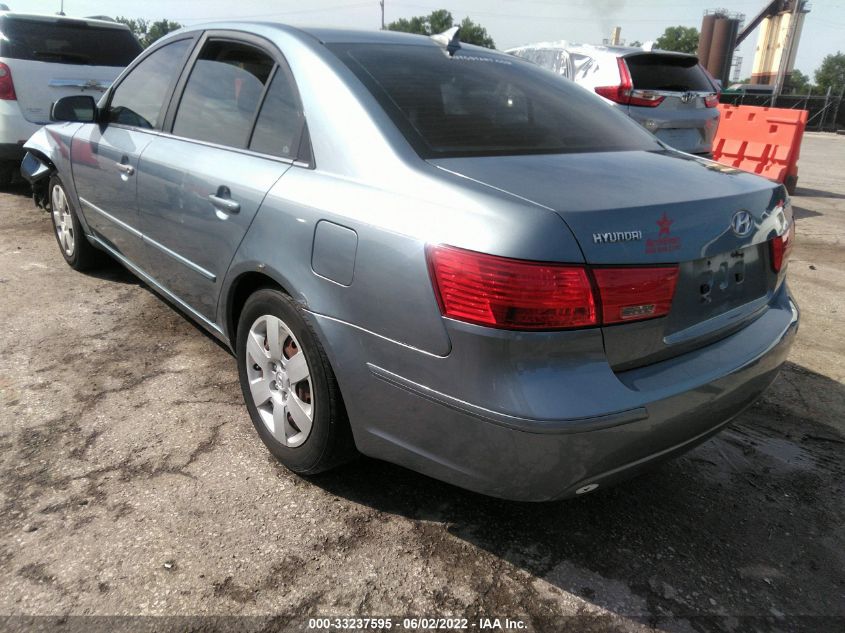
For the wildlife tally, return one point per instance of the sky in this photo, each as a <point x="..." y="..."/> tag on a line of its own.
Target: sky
<point x="509" y="22"/>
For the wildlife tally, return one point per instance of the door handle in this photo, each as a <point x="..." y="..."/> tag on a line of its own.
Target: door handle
<point x="222" y="200"/>
<point x="125" y="169"/>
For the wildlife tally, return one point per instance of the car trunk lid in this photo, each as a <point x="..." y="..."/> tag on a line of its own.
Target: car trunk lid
<point x="656" y="208"/>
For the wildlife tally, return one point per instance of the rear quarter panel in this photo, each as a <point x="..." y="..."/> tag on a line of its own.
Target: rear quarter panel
<point x="390" y="293"/>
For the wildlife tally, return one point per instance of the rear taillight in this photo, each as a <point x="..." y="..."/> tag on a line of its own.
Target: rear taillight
<point x="780" y="247"/>
<point x="632" y="294"/>
<point x="625" y="94"/>
<point x="7" y="88"/>
<point x="509" y="293"/>
<point x="711" y="101"/>
<point x="524" y="295"/>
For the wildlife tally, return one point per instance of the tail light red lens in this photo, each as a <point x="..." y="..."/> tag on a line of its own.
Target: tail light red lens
<point x="711" y="101"/>
<point x="524" y="295"/>
<point x="7" y="87"/>
<point x="632" y="294"/>
<point x="625" y="94"/>
<point x="780" y="247"/>
<point x="645" y="98"/>
<point x="508" y="293"/>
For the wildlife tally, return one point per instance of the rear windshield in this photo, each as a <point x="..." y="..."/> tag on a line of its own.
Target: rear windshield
<point x="481" y="104"/>
<point x="668" y="72"/>
<point x="66" y="42"/>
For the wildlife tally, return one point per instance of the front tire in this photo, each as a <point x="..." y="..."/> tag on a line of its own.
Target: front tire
<point x="289" y="387"/>
<point x="74" y="246"/>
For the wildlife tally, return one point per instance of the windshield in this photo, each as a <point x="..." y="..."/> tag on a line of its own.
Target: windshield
<point x="66" y="42"/>
<point x="481" y="104"/>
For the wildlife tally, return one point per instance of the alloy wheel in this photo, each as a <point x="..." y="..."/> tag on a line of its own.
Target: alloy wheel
<point x="279" y="380"/>
<point x="63" y="220"/>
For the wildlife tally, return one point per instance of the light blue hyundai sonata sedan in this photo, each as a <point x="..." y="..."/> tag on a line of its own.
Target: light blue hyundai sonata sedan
<point x="429" y="253"/>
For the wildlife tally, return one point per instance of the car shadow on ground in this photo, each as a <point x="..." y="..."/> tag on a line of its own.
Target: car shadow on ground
<point x="747" y="525"/>
<point x="818" y="193"/>
<point x="802" y="212"/>
<point x="18" y="188"/>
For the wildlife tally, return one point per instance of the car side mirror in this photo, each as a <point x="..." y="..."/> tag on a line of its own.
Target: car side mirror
<point x="76" y="108"/>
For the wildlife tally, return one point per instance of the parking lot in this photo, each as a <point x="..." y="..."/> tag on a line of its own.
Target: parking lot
<point x="133" y="483"/>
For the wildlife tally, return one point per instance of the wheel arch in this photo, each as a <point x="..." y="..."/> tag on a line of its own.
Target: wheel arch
<point x="243" y="285"/>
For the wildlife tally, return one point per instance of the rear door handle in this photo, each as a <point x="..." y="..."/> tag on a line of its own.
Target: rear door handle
<point x="125" y="169"/>
<point x="222" y="200"/>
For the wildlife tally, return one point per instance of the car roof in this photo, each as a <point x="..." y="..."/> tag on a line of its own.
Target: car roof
<point x="46" y="17"/>
<point x="324" y="35"/>
<point x="354" y="36"/>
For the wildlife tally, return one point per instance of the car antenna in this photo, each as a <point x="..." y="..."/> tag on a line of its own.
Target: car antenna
<point x="450" y="39"/>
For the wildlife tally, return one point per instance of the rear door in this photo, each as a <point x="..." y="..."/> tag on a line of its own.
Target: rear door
<point x="685" y="114"/>
<point x="52" y="57"/>
<point x="235" y="128"/>
<point x="105" y="154"/>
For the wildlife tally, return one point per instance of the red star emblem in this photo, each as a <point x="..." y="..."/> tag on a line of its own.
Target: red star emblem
<point x="664" y="223"/>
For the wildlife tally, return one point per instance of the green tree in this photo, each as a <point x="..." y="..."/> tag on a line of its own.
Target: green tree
<point x="636" y="43"/>
<point x="146" y="31"/>
<point x="831" y="74"/>
<point x="442" y="20"/>
<point x="159" y="29"/>
<point x="473" y="33"/>
<point x="798" y="83"/>
<point x="682" y="39"/>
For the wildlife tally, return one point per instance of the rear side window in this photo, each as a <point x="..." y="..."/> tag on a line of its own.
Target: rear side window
<point x="281" y="123"/>
<point x="138" y="99"/>
<point x="667" y="72"/>
<point x="66" y="42"/>
<point x="479" y="104"/>
<point x="223" y="93"/>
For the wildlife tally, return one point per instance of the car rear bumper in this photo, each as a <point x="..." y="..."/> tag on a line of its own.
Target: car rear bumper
<point x="668" y="408"/>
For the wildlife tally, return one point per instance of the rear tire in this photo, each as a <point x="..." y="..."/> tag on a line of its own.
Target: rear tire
<point x="73" y="244"/>
<point x="295" y="406"/>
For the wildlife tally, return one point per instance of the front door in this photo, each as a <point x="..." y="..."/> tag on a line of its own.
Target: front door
<point x="105" y="155"/>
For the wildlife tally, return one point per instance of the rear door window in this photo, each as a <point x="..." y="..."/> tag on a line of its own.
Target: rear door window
<point x="667" y="72"/>
<point x="280" y="127"/>
<point x="223" y="93"/>
<point x="138" y="99"/>
<point x="65" y="41"/>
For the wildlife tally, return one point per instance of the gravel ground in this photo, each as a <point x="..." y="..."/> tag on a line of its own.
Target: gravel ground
<point x="133" y="484"/>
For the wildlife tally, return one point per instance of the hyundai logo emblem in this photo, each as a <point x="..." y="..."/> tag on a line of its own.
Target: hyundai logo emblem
<point x="687" y="97"/>
<point x="742" y="223"/>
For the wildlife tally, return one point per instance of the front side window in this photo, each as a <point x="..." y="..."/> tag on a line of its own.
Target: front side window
<point x="139" y="99"/>
<point x="482" y="104"/>
<point x="223" y="92"/>
<point x="281" y="124"/>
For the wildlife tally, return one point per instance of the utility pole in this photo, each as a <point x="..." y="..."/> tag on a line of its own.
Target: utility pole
<point x="381" y="4"/>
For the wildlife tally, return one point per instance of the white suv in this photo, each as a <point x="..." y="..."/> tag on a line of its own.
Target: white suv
<point x="670" y="94"/>
<point x="44" y="57"/>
